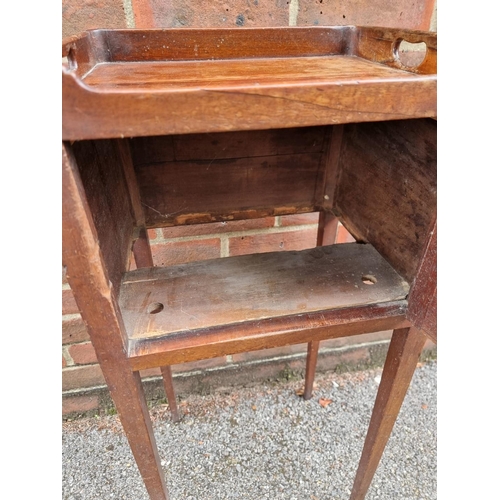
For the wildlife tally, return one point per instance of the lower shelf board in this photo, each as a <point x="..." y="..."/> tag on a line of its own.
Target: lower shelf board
<point x="222" y="306"/>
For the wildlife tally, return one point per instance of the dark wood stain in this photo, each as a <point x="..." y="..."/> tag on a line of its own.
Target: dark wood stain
<point x="176" y="126"/>
<point x="108" y="198"/>
<point x="387" y="189"/>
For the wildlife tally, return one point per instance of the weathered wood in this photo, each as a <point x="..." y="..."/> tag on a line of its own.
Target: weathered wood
<point x="188" y="81"/>
<point x="422" y="301"/>
<point x="107" y="194"/>
<point x="214" y="190"/>
<point x="192" y="44"/>
<point x="213" y="177"/>
<point x="257" y="301"/>
<point x="378" y="178"/>
<point x="228" y="145"/>
<point x="402" y="357"/>
<point x="238" y="73"/>
<point x="382" y="45"/>
<point x="96" y="298"/>
<point x="386" y="193"/>
<point x="255" y="287"/>
<point x="168" y="349"/>
<point x="140" y="246"/>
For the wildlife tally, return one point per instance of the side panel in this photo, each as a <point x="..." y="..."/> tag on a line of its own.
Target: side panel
<point x="103" y="179"/>
<point x="386" y="192"/>
<point x="198" y="178"/>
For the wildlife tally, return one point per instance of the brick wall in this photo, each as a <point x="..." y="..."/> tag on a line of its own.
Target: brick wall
<point x="82" y="381"/>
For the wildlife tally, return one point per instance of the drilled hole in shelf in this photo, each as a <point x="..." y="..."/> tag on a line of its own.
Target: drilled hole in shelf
<point x="368" y="279"/>
<point x="155" y="308"/>
<point x="409" y="54"/>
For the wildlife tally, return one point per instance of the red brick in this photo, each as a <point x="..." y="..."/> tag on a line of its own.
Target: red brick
<point x="64" y="364"/>
<point x="343" y="235"/>
<point x="395" y="13"/>
<point x="78" y="16"/>
<point x="219" y="13"/>
<point x="269" y="353"/>
<point x="82" y="376"/>
<point x="150" y="372"/>
<point x="217" y="227"/>
<point x="79" y="404"/>
<point x="171" y="253"/>
<point x="355" y="340"/>
<point x="68" y="303"/>
<point x="203" y="364"/>
<point x="352" y="358"/>
<point x="300" y="219"/>
<point x="272" y="242"/>
<point x="187" y="367"/>
<point x="152" y="234"/>
<point x="74" y="330"/>
<point x="83" y="354"/>
<point x="64" y="278"/>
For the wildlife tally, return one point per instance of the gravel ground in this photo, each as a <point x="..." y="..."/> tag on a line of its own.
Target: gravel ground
<point x="265" y="442"/>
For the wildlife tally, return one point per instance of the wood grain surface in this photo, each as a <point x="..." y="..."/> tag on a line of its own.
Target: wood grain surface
<point x="387" y="190"/>
<point x="225" y="176"/>
<point x="254" y="287"/>
<point x="139" y="83"/>
<point x="107" y="194"/>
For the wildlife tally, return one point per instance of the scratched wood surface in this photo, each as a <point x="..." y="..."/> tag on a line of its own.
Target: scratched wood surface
<point x="160" y="350"/>
<point x="108" y="197"/>
<point x="422" y="302"/>
<point x="378" y="178"/>
<point x="239" y="73"/>
<point x="225" y="176"/>
<point x="206" y="44"/>
<point x="255" y="287"/>
<point x="188" y="81"/>
<point x="387" y="188"/>
<point x="87" y="273"/>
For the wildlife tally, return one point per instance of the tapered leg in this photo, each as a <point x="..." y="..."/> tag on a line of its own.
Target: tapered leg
<point x="402" y="358"/>
<point x="134" y="415"/>
<point x="170" y="392"/>
<point x="312" y="357"/>
<point x="328" y="226"/>
<point x="144" y="258"/>
<point x="97" y="301"/>
<point x="327" y="235"/>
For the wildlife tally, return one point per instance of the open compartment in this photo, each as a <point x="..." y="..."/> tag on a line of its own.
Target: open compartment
<point x="173" y="127"/>
<point x="378" y="178"/>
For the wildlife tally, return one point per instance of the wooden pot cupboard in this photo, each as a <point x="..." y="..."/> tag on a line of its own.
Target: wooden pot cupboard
<point x="187" y="126"/>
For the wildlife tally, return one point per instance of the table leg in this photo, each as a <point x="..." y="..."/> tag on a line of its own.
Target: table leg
<point x="168" y="383"/>
<point x="96" y="299"/>
<point x="144" y="258"/>
<point x="327" y="234"/>
<point x="402" y="358"/>
<point x="312" y="357"/>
